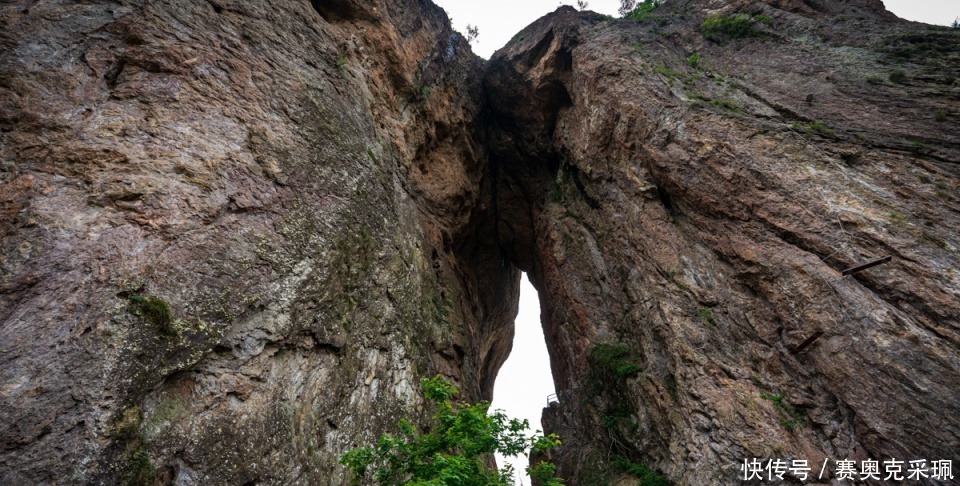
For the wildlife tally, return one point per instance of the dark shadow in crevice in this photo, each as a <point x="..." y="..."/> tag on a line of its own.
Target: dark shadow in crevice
<point x="336" y="10"/>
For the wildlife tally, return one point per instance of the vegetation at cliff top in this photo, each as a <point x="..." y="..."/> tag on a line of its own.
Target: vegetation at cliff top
<point x="643" y="10"/>
<point x="453" y="450"/>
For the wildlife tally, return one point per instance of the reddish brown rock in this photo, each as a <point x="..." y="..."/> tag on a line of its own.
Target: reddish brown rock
<point x="301" y="188"/>
<point x="235" y="235"/>
<point x="695" y="203"/>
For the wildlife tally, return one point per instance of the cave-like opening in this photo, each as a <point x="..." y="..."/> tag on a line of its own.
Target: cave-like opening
<point x="525" y="381"/>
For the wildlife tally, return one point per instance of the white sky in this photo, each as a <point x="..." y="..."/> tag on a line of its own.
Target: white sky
<point x="525" y="380"/>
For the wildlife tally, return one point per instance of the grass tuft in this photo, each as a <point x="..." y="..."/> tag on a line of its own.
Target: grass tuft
<point x="154" y="311"/>
<point x="706" y="315"/>
<point x="612" y="362"/>
<point x="719" y="28"/>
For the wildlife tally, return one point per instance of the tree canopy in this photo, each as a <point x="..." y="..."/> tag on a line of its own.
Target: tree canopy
<point x="454" y="451"/>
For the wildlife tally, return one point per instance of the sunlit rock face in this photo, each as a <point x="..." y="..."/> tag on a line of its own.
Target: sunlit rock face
<point x="236" y="235"/>
<point x="686" y="207"/>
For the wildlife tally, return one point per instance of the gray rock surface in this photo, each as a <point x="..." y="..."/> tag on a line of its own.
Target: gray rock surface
<point x="234" y="236"/>
<point x="303" y="190"/>
<point x="694" y="201"/>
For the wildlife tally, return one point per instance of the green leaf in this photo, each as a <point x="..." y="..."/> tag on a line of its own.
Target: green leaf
<point x="454" y="449"/>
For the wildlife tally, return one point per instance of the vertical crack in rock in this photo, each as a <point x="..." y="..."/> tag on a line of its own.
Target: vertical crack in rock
<point x="234" y="236"/>
<point x="685" y="220"/>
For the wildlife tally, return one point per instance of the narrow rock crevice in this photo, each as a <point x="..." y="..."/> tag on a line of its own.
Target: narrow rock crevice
<point x="710" y="247"/>
<point x="236" y="235"/>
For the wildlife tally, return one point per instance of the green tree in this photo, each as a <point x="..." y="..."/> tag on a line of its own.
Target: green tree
<point x="455" y="449"/>
<point x="639" y="11"/>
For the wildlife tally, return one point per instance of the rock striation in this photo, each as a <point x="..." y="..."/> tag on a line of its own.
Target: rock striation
<point x="234" y="236"/>
<point x="686" y="202"/>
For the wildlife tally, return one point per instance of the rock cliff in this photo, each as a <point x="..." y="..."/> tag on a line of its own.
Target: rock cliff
<point x="686" y="200"/>
<point x="235" y="235"/>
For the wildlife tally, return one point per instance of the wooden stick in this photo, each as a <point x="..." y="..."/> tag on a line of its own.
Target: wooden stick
<point x="807" y="342"/>
<point x="860" y="268"/>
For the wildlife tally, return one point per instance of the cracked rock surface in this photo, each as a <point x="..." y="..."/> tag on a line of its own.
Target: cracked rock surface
<point x="695" y="203"/>
<point x="300" y="186"/>
<point x="234" y="236"/>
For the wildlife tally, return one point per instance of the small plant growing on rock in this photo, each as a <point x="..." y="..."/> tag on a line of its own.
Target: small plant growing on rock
<point x="612" y="363"/>
<point x="645" y="475"/>
<point x="898" y="77"/>
<point x="138" y="470"/>
<point x="820" y="127"/>
<point x="796" y="417"/>
<point x="706" y="315"/>
<point x="721" y="27"/>
<point x="125" y="426"/>
<point x="421" y="93"/>
<point x="670" y="383"/>
<point x="665" y="71"/>
<point x="599" y="470"/>
<point x="726" y="104"/>
<point x="134" y="466"/>
<point x="472" y="33"/>
<point x="815" y="126"/>
<point x="693" y="60"/>
<point x="154" y="311"/>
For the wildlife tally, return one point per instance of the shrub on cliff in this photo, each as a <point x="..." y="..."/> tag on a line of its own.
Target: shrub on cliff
<point x="721" y="27"/>
<point x="610" y="365"/>
<point x="643" y="10"/>
<point x="453" y="451"/>
<point x="153" y="310"/>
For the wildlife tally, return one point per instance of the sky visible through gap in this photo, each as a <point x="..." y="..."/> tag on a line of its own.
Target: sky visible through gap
<point x="500" y="20"/>
<point x="525" y="379"/>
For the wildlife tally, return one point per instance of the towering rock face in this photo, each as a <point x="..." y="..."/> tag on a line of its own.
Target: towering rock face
<point x="686" y="206"/>
<point x="235" y="235"/>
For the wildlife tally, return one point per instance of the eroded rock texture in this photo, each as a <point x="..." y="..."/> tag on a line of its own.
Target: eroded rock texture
<point x="235" y="235"/>
<point x="695" y="202"/>
<point x="301" y="186"/>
